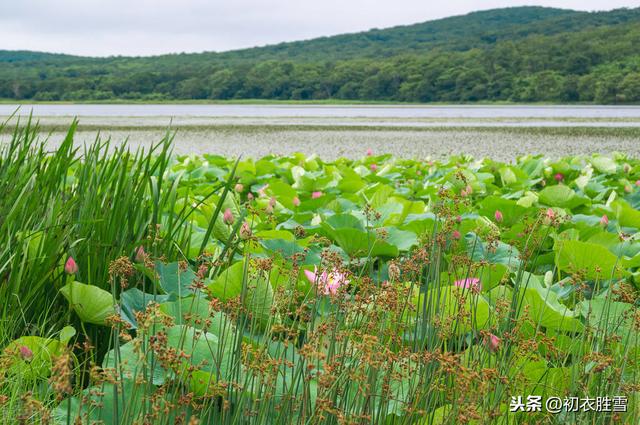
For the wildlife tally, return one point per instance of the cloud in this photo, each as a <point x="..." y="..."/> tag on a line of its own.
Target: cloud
<point x="145" y="27"/>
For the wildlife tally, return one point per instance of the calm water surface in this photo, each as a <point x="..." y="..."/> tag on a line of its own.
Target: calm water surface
<point x="329" y="111"/>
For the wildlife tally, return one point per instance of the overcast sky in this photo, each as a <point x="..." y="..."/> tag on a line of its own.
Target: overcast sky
<point x="147" y="27"/>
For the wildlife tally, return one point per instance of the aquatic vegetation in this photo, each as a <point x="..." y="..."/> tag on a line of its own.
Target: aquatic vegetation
<point x="288" y="289"/>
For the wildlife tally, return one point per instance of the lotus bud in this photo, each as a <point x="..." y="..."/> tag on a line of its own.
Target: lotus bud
<point x="25" y="353"/>
<point x="296" y="201"/>
<point x="559" y="177"/>
<point x="70" y="267"/>
<point x="456" y="234"/>
<point x="245" y="231"/>
<point x="239" y="188"/>
<point x="626" y="168"/>
<point x="140" y="255"/>
<point x="227" y="217"/>
<point x="604" y="221"/>
<point x="268" y="209"/>
<point x="627" y="188"/>
<point x="638" y="183"/>
<point x="459" y="219"/>
<point x="498" y="216"/>
<point x="373" y="167"/>
<point x="250" y="196"/>
<point x="369" y="152"/>
<point x="492" y="342"/>
<point x="272" y="202"/>
<point x="316" y="195"/>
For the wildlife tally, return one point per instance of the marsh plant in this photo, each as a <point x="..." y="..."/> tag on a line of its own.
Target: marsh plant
<point x="149" y="288"/>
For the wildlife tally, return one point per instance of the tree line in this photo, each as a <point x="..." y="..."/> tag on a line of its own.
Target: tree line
<point x="597" y="64"/>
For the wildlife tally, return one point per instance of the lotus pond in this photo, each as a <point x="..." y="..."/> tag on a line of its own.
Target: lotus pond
<point x="145" y="287"/>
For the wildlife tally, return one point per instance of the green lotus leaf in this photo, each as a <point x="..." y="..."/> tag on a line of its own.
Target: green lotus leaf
<point x="594" y="261"/>
<point x="604" y="164"/>
<point x="136" y="362"/>
<point x="134" y="300"/>
<point x="445" y="304"/>
<point x="404" y="240"/>
<point x="512" y="212"/>
<point x="611" y="317"/>
<point x="91" y="304"/>
<point x="259" y="293"/>
<point x="196" y="312"/>
<point x="498" y="253"/>
<point x="104" y="404"/>
<point x="174" y="280"/>
<point x="42" y="352"/>
<point x="626" y="214"/>
<point x="560" y="196"/>
<point x="544" y="309"/>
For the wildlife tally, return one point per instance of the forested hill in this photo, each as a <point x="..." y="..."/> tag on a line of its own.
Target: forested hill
<point x="523" y="54"/>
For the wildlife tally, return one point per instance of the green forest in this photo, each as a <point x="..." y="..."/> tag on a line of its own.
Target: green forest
<point x="523" y="54"/>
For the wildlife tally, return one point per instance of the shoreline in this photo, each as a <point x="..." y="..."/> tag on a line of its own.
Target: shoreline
<point x="329" y="102"/>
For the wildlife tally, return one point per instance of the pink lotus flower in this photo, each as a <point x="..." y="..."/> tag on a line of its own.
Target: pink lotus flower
<point x="373" y="167"/>
<point x="227" y="217"/>
<point x="604" y="220"/>
<point x="25" y="353"/>
<point x="470" y="283"/>
<point x="498" y="216"/>
<point x="328" y="283"/>
<point x="245" y="231"/>
<point x="261" y="191"/>
<point x="239" y="188"/>
<point x="140" y="254"/>
<point x="456" y="234"/>
<point x="369" y="152"/>
<point x="551" y="214"/>
<point x="492" y="342"/>
<point x="316" y="195"/>
<point x="70" y="267"/>
<point x="296" y="201"/>
<point x="559" y="177"/>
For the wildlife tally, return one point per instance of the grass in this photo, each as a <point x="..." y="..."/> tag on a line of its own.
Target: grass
<point x="147" y="287"/>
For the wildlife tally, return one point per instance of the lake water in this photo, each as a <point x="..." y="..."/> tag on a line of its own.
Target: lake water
<point x="333" y="131"/>
<point x="327" y="111"/>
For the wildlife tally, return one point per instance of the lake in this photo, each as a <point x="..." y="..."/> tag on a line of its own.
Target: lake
<point x="499" y="132"/>
<point x="327" y="111"/>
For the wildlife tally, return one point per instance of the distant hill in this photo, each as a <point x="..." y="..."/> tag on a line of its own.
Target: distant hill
<point x="521" y="54"/>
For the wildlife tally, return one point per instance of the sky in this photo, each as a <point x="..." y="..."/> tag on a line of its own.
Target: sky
<point x="150" y="27"/>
